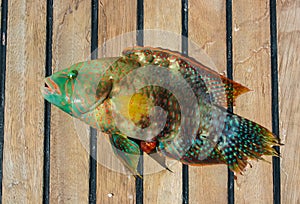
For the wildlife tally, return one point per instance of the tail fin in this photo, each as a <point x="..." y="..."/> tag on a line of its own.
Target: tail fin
<point x="243" y="140"/>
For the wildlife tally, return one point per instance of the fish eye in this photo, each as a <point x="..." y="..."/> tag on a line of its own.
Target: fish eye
<point x="72" y="74"/>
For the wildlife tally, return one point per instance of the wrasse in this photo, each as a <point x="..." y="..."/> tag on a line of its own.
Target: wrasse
<point x="164" y="104"/>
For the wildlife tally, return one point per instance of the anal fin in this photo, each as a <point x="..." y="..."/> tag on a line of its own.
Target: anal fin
<point x="161" y="160"/>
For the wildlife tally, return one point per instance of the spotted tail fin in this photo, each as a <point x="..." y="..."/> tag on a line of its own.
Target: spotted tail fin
<point x="243" y="140"/>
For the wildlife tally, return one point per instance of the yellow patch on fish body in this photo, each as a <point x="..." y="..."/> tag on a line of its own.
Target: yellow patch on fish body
<point x="136" y="107"/>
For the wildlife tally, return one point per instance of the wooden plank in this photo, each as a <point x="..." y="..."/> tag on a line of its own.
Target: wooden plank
<point x="158" y="17"/>
<point x="23" y="146"/>
<point x="117" y="25"/>
<point x="207" y="28"/>
<point x="69" y="159"/>
<point x="162" y="186"/>
<point x="251" y="58"/>
<point x="288" y="60"/>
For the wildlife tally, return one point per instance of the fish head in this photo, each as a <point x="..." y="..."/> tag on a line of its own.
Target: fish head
<point x="80" y="88"/>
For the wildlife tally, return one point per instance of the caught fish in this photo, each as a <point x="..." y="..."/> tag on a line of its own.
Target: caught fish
<point x="120" y="95"/>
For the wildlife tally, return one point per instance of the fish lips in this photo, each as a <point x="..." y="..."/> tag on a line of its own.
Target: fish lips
<point x="50" y="87"/>
<point x="50" y="90"/>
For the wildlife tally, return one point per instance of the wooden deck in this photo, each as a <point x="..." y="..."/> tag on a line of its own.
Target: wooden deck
<point x="23" y="154"/>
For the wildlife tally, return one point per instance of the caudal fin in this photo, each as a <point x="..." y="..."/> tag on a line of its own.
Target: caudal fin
<point x="243" y="140"/>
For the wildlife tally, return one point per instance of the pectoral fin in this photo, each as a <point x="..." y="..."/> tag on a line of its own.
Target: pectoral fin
<point x="127" y="151"/>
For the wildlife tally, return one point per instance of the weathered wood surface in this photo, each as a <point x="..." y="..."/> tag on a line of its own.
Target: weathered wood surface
<point x="23" y="147"/>
<point x="161" y="185"/>
<point x="251" y="58"/>
<point x="69" y="173"/>
<point x="116" y="32"/>
<point x="207" y="28"/>
<point x="288" y="60"/>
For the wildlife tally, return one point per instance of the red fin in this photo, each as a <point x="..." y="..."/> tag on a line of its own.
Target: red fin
<point x="233" y="90"/>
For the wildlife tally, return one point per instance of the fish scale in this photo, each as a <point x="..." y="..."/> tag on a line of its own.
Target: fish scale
<point x="201" y="133"/>
<point x="237" y="132"/>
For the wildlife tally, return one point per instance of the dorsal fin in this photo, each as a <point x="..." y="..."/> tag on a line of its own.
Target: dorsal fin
<point x="207" y="83"/>
<point x="233" y="88"/>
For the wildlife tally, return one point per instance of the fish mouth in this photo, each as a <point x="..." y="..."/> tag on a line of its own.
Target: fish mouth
<point x="50" y="87"/>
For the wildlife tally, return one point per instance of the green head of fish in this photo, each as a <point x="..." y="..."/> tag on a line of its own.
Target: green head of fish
<point x="80" y="88"/>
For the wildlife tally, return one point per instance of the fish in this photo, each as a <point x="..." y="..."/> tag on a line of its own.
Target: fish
<point x="163" y="103"/>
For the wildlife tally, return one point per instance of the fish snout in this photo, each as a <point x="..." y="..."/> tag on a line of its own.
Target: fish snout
<point x="50" y="87"/>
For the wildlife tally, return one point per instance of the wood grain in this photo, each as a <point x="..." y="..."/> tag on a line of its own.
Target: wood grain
<point x="23" y="146"/>
<point x="289" y="75"/>
<point x="251" y="58"/>
<point x="69" y="159"/>
<point x="164" y="17"/>
<point x="207" y="28"/>
<point x="24" y="108"/>
<point x="117" y="25"/>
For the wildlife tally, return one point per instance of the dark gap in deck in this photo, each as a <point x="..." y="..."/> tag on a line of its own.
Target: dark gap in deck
<point x="229" y="56"/>
<point x="93" y="132"/>
<point x="275" y="99"/>
<point x="184" y="50"/>
<point x="4" y="12"/>
<point x="139" y="182"/>
<point x="47" y="105"/>
<point x="140" y="23"/>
